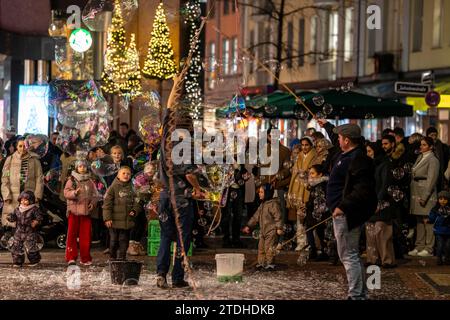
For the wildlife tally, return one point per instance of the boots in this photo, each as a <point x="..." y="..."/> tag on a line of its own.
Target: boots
<point x="133" y="249"/>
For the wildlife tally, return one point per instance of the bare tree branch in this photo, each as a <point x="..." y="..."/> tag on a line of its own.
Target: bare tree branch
<point x="267" y="12"/>
<point x="262" y="44"/>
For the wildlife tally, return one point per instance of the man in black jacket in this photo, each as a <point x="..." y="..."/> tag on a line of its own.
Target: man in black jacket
<point x="352" y="199"/>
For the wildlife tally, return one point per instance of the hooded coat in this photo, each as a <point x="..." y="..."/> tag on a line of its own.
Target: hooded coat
<point x="296" y="187"/>
<point x="11" y="184"/>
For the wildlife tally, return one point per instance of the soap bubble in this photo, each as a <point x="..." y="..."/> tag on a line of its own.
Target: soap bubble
<point x="398" y="173"/>
<point x="255" y="234"/>
<point x="345" y="88"/>
<point x="233" y="195"/>
<point x="140" y="161"/>
<point x="37" y="143"/>
<point x="195" y="232"/>
<point x="270" y="109"/>
<point x="318" y="100"/>
<point x="397" y="195"/>
<point x="97" y="15"/>
<point x="149" y="129"/>
<point x="369" y="116"/>
<point x="287" y="164"/>
<point x="104" y="166"/>
<point x="202" y="222"/>
<point x="141" y="182"/>
<point x="301" y="114"/>
<point x="163" y="217"/>
<point x="208" y="205"/>
<point x="408" y="167"/>
<point x="327" y="108"/>
<point x="320" y="115"/>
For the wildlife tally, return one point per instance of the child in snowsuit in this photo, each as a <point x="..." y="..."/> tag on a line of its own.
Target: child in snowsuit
<point x="82" y="197"/>
<point x="120" y="208"/>
<point x="440" y="216"/>
<point x="27" y="217"/>
<point x="268" y="216"/>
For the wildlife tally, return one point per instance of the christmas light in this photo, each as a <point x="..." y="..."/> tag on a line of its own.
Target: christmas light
<point x="192" y="13"/>
<point x="114" y="74"/>
<point x="132" y="86"/>
<point x="160" y="63"/>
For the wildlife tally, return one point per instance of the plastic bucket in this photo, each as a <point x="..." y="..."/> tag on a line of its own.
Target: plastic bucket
<point x="127" y="272"/>
<point x="230" y="267"/>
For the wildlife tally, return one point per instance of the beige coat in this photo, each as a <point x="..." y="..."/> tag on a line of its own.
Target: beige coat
<point x="304" y="162"/>
<point x="66" y="162"/>
<point x="11" y="182"/>
<point x="426" y="169"/>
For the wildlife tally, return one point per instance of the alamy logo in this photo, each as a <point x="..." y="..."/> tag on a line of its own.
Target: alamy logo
<point x="373" y="281"/>
<point x="374" y="18"/>
<point x="74" y="20"/>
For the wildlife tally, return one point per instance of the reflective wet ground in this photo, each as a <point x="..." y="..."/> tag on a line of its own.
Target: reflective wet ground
<point x="415" y="278"/>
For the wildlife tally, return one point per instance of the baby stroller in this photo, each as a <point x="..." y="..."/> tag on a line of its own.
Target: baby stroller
<point x="54" y="224"/>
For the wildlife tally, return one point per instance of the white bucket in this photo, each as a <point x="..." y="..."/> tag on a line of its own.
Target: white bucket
<point x="230" y="267"/>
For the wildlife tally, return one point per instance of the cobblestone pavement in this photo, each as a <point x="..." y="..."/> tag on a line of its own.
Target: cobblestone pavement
<point x="314" y="281"/>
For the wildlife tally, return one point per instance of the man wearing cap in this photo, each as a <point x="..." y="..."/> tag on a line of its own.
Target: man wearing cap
<point x="352" y="199"/>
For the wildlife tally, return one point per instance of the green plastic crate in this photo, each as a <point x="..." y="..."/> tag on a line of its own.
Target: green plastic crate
<point x="153" y="247"/>
<point x="154" y="230"/>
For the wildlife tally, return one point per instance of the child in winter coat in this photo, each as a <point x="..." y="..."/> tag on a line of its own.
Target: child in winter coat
<point x="27" y="217"/>
<point x="316" y="210"/>
<point x="440" y="216"/>
<point x="268" y="216"/>
<point x="120" y="208"/>
<point x="82" y="197"/>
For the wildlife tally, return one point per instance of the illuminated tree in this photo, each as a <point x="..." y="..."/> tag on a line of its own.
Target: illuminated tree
<point x="115" y="73"/>
<point x="132" y="87"/>
<point x="160" y="63"/>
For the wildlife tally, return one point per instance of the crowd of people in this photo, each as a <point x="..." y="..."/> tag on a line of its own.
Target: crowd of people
<point x="336" y="197"/>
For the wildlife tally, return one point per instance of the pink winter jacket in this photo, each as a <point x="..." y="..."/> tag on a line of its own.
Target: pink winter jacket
<point x="79" y="204"/>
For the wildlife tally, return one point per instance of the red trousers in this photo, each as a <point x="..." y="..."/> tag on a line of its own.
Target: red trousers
<point x="79" y="227"/>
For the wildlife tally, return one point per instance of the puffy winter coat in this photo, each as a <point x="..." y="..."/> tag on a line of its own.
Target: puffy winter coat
<point x="78" y="204"/>
<point x="268" y="216"/>
<point x="119" y="201"/>
<point x="441" y="222"/>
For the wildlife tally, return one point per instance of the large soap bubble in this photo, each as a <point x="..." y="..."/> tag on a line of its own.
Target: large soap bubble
<point x="104" y="166"/>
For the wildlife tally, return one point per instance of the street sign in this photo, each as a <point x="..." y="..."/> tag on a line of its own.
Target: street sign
<point x="411" y="88"/>
<point x="433" y="99"/>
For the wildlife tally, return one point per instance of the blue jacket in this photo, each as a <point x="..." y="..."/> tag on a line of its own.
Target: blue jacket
<point x="441" y="222"/>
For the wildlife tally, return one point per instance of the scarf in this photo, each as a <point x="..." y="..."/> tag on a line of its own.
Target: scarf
<point x="314" y="182"/>
<point x="23" y="209"/>
<point x="81" y="177"/>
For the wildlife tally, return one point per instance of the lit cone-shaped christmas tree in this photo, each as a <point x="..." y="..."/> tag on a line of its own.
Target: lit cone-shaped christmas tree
<point x="115" y="70"/>
<point x="132" y="86"/>
<point x="160" y="63"/>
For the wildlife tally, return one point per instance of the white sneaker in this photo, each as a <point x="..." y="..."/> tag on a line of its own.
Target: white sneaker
<point x="71" y="263"/>
<point x="86" y="264"/>
<point x="424" y="253"/>
<point x="410" y="234"/>
<point x="413" y="252"/>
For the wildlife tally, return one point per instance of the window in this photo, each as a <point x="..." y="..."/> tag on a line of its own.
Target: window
<point x="290" y="40"/>
<point x="234" y="55"/>
<point x="437" y="23"/>
<point x="233" y="6"/>
<point x="348" y="46"/>
<point x="226" y="56"/>
<point x="313" y="43"/>
<point x="333" y="35"/>
<point x="418" y="25"/>
<point x="226" y="7"/>
<point x="301" y="43"/>
<point x="212" y="64"/>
